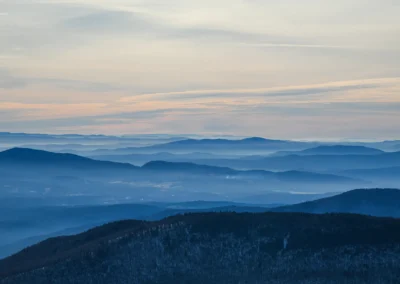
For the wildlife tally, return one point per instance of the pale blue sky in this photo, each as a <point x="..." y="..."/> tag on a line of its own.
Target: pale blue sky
<point x="287" y="68"/>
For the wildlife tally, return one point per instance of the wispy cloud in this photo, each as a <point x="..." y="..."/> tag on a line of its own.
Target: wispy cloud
<point x="169" y="112"/>
<point x="126" y="23"/>
<point x="268" y="92"/>
<point x="8" y="81"/>
<point x="11" y="81"/>
<point x="241" y="67"/>
<point x="109" y="21"/>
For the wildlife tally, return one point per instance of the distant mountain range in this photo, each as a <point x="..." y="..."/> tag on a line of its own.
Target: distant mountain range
<point x="218" y="248"/>
<point x="224" y="210"/>
<point x="391" y="174"/>
<point x="78" y="144"/>
<point x="251" y="146"/>
<point x="201" y="157"/>
<point x="141" y="159"/>
<point x="30" y="157"/>
<point x="334" y="150"/>
<point x="187" y="168"/>
<point x="375" y="202"/>
<point x="152" y="143"/>
<point x="246" y="141"/>
<point x="215" y="146"/>
<point x="73" y="180"/>
<point x="317" y="163"/>
<point x="20" y="157"/>
<point x="289" y="176"/>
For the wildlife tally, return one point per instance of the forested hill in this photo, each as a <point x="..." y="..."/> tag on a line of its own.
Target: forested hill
<point x="218" y="248"/>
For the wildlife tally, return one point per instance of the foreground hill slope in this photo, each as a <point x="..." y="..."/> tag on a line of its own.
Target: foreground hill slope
<point x="375" y="202"/>
<point x="218" y="248"/>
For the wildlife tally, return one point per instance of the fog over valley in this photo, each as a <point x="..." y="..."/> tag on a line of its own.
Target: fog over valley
<point x="49" y="190"/>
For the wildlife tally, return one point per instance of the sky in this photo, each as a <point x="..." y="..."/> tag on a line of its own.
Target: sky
<point x="310" y="69"/>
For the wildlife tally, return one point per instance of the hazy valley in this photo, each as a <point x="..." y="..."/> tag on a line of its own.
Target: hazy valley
<point x="66" y="185"/>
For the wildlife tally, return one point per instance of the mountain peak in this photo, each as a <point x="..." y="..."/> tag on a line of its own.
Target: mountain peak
<point x="260" y="140"/>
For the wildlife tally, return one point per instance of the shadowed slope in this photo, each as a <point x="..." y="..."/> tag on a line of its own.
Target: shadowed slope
<point x="376" y="202"/>
<point x="219" y="248"/>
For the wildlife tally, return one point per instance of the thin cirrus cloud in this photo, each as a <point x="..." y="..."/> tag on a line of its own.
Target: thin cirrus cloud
<point x="304" y="104"/>
<point x="256" y="67"/>
<point x="276" y="92"/>
<point x="9" y="81"/>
